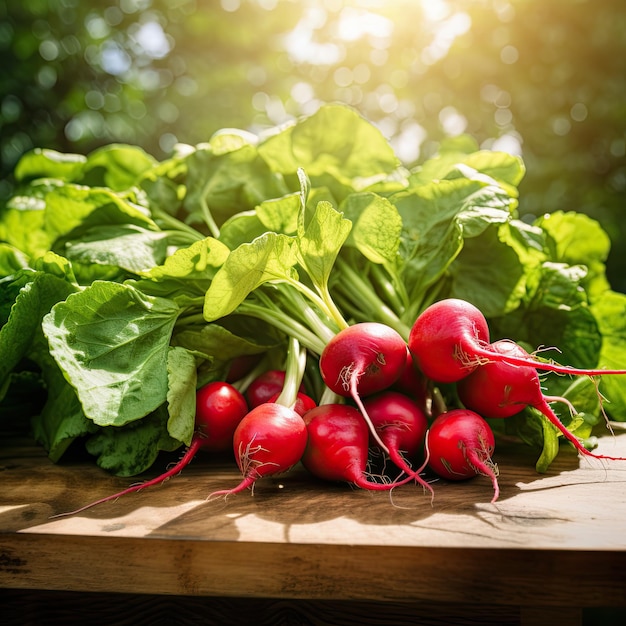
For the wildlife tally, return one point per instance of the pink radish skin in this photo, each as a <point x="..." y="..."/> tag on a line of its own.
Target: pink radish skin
<point x="402" y="426"/>
<point x="450" y="338"/>
<point x="219" y="409"/>
<point x="499" y="390"/>
<point x="363" y="359"/>
<point x="269" y="440"/>
<point x="338" y="446"/>
<point x="460" y="445"/>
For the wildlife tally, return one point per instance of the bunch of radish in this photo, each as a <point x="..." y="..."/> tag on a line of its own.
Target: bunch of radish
<point x="378" y="399"/>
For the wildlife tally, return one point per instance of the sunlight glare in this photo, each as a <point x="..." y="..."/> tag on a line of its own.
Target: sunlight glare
<point x="355" y="23"/>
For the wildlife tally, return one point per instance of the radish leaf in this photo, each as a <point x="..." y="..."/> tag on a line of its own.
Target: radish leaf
<point x="112" y="343"/>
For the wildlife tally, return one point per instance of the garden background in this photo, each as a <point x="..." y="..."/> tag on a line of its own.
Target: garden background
<point x="542" y="79"/>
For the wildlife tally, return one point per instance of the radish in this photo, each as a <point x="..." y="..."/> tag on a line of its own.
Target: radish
<point x="402" y="426"/>
<point x="450" y="338"/>
<point x="269" y="440"/>
<point x="303" y="402"/>
<point x="219" y="409"/>
<point x="460" y="444"/>
<point x="264" y="386"/>
<point x="499" y="390"/>
<point x="414" y="384"/>
<point x="240" y="366"/>
<point x="338" y="446"/>
<point x="363" y="359"/>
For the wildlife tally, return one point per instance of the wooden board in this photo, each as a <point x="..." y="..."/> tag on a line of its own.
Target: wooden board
<point x="551" y="540"/>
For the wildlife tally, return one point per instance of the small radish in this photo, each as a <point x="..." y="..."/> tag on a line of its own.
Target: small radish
<point x="363" y="359"/>
<point x="450" y="338"/>
<point x="219" y="409"/>
<point x="303" y="402"/>
<point x="499" y="390"/>
<point x="414" y="384"/>
<point x="402" y="426"/>
<point x="338" y="446"/>
<point x="264" y="386"/>
<point x="241" y="366"/>
<point x="460" y="444"/>
<point x="269" y="440"/>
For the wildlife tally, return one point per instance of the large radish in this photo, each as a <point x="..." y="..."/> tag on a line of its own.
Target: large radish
<point x="338" y="446"/>
<point x="269" y="440"/>
<point x="499" y="389"/>
<point x="450" y="338"/>
<point x="363" y="359"/>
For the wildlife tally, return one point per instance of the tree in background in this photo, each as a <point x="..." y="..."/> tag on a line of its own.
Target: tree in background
<point x="544" y="79"/>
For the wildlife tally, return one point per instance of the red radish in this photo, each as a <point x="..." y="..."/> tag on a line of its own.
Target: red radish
<point x="450" y="338"/>
<point x="240" y="366"/>
<point x="264" y="386"/>
<point x="219" y="409"/>
<point x="414" y="384"/>
<point x="362" y="359"/>
<point x="402" y="426"/>
<point x="460" y="445"/>
<point x="303" y="403"/>
<point x="269" y="440"/>
<point x="498" y="390"/>
<point x="338" y="446"/>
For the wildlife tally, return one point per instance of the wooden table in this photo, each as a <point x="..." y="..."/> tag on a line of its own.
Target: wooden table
<point x="318" y="553"/>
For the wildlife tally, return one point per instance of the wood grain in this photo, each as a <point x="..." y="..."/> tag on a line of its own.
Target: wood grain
<point x="300" y="539"/>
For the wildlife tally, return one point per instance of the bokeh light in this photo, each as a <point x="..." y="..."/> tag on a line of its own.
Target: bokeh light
<point x="540" y="79"/>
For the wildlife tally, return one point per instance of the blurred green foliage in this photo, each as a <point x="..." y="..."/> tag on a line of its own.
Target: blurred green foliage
<point x="544" y="79"/>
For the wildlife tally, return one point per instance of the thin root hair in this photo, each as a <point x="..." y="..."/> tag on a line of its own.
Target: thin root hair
<point x="469" y="361"/>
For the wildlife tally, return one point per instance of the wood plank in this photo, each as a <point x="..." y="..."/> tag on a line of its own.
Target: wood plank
<point x="298" y="538"/>
<point x="21" y="607"/>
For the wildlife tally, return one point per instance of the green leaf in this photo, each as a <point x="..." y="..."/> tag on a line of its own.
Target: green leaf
<point x="116" y="166"/>
<point x="38" y="292"/>
<point x="112" y="341"/>
<point x="229" y="182"/>
<point x="213" y="341"/>
<point x="62" y="419"/>
<point x="505" y="169"/>
<point x="437" y="219"/>
<point x="11" y="260"/>
<point x="335" y="140"/>
<point x="610" y="314"/>
<point x="22" y="220"/>
<point x="550" y="447"/>
<point x="46" y="163"/>
<point x="126" y="246"/>
<point x="187" y="273"/>
<point x="181" y="394"/>
<point x="199" y="261"/>
<point x="579" y="240"/>
<point x="74" y="209"/>
<point x="281" y="214"/>
<point x="241" y="228"/>
<point x="55" y="264"/>
<point x="270" y="257"/>
<point x="132" y="449"/>
<point x="489" y="273"/>
<point x="323" y="237"/>
<point x="376" y="226"/>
